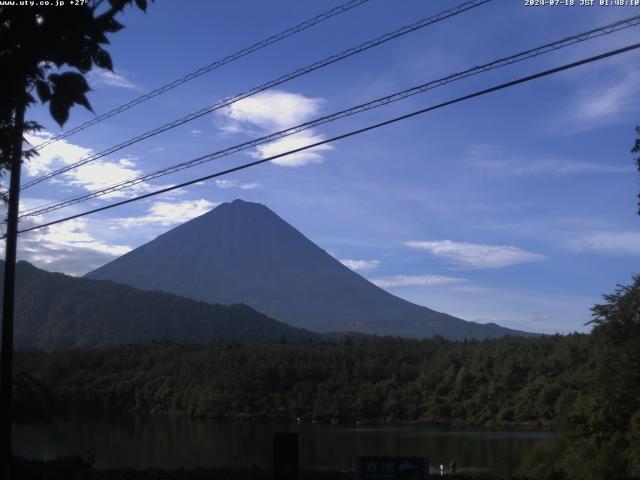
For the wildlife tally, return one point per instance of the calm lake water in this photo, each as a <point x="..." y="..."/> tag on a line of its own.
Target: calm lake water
<point x="177" y="442"/>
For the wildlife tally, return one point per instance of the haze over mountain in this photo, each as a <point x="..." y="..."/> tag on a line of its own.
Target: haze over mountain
<point x="242" y="252"/>
<point x="55" y="311"/>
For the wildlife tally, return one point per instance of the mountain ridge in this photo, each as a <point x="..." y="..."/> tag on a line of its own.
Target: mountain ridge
<point x="56" y="311"/>
<point x="244" y="252"/>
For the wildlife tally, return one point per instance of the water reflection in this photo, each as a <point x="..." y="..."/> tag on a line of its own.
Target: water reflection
<point x="179" y="442"/>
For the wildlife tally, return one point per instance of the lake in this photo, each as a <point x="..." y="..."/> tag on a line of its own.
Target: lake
<point x="181" y="442"/>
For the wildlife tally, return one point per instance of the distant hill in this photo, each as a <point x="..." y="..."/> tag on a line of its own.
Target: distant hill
<point x="244" y="252"/>
<point x="55" y="311"/>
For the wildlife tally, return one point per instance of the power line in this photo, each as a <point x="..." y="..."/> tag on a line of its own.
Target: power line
<point x="486" y="91"/>
<point x="278" y="81"/>
<point x="207" y="68"/>
<point x="518" y="57"/>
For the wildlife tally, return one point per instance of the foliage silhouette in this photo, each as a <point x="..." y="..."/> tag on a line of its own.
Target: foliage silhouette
<point x="36" y="43"/>
<point x="599" y="436"/>
<point x="39" y="41"/>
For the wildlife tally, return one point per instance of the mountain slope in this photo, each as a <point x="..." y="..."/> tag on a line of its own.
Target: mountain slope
<point x="244" y="252"/>
<point x="55" y="311"/>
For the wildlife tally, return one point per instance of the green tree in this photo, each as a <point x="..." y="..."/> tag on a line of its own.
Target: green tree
<point x="636" y="150"/>
<point x="599" y="435"/>
<point x="47" y="49"/>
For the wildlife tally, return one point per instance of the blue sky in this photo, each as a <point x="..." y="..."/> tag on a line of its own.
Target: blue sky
<point x="517" y="207"/>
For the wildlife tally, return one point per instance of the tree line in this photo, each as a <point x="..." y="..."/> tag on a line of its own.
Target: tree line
<point x="511" y="381"/>
<point x="584" y="386"/>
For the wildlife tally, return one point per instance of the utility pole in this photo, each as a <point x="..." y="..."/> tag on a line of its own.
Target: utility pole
<point x="6" y="356"/>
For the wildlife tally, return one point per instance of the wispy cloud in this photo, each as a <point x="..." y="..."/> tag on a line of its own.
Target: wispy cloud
<point x="94" y="175"/>
<point x="277" y="110"/>
<point x="360" y="265"/>
<point x="56" y="155"/>
<point x="474" y="255"/>
<point x="313" y="155"/>
<point x="226" y="184"/>
<point x="606" y="97"/>
<point x="100" y="174"/>
<point x="416" y="281"/>
<point x="101" y="77"/>
<point x="604" y="101"/>
<point x="472" y="289"/>
<point x="493" y="159"/>
<point x="613" y="243"/>
<point x="69" y="247"/>
<point x="169" y="213"/>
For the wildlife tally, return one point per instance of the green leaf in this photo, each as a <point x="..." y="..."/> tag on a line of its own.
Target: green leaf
<point x="59" y="111"/>
<point x="118" y="4"/>
<point x="69" y="88"/>
<point x="80" y="60"/>
<point x="102" y="59"/>
<point x="108" y="24"/>
<point x="69" y="82"/>
<point x="142" y="5"/>
<point x="101" y="38"/>
<point x="82" y="100"/>
<point x="44" y="92"/>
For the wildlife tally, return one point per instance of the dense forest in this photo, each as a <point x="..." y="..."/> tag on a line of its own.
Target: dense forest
<point x="599" y="436"/>
<point x="55" y="311"/>
<point x="509" y="381"/>
<point x="586" y="387"/>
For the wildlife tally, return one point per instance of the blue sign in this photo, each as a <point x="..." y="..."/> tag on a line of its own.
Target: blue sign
<point x="391" y="468"/>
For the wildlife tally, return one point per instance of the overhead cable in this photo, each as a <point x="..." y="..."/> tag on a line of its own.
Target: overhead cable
<point x="207" y="68"/>
<point x="352" y="133"/>
<point x="265" y="86"/>
<point x="379" y="102"/>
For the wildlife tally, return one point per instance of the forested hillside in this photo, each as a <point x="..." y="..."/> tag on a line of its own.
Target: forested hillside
<point x="55" y="311"/>
<point x="599" y="436"/>
<point x="508" y="381"/>
<point x="585" y="387"/>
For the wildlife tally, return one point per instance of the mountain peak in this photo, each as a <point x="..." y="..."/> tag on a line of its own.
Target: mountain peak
<point x="239" y="203"/>
<point x="239" y="207"/>
<point x="243" y="252"/>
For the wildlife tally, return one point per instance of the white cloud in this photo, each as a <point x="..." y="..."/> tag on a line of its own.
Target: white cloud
<point x="196" y="132"/>
<point x="100" y="174"/>
<point x="74" y="234"/>
<point x="473" y="255"/>
<point x="616" y="243"/>
<point x="293" y="142"/>
<point x="169" y="213"/>
<point x="235" y="184"/>
<point x="226" y="183"/>
<point x="69" y="247"/>
<point x="360" y="265"/>
<point x="101" y="77"/>
<point x="56" y="155"/>
<point x="416" y="281"/>
<point x="94" y="175"/>
<point x="276" y="110"/>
